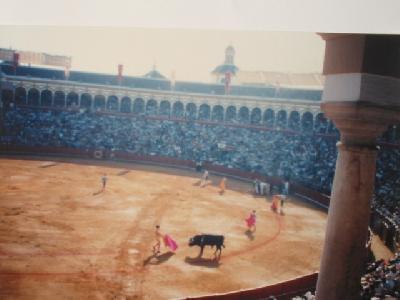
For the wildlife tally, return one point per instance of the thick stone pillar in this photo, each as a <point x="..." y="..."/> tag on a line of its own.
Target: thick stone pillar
<point x="362" y="101"/>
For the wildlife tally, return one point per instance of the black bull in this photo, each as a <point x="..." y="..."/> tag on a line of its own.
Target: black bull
<point x="202" y="240"/>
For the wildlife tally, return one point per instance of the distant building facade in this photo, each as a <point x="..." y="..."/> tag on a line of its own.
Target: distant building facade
<point x="263" y="78"/>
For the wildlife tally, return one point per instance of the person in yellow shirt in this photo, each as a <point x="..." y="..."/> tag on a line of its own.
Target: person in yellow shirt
<point x="159" y="237"/>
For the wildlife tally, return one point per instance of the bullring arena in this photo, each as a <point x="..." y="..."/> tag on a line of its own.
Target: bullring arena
<point x="61" y="237"/>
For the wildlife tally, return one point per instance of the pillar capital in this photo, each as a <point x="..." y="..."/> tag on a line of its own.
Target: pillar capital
<point x="360" y="123"/>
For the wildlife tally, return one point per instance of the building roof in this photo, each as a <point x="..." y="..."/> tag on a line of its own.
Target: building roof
<point x="154" y="74"/>
<point x="265" y="78"/>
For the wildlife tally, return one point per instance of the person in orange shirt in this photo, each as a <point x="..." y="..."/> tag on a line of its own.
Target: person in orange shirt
<point x="222" y="186"/>
<point x="275" y="203"/>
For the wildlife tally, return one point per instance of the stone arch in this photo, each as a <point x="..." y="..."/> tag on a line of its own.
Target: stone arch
<point x="86" y="101"/>
<point x="112" y="103"/>
<point x="178" y="110"/>
<point x="7" y="96"/>
<point x="321" y="123"/>
<point x="100" y="102"/>
<point x="281" y="119"/>
<point x="151" y="107"/>
<point x="191" y="111"/>
<point x="294" y="121"/>
<point x="20" y="96"/>
<point x="126" y="105"/>
<point x="217" y="113"/>
<point x="204" y="112"/>
<point x="307" y="121"/>
<point x="244" y="115"/>
<point x="269" y="118"/>
<point x="33" y="97"/>
<point x="59" y="99"/>
<point x="46" y="98"/>
<point x="138" y="106"/>
<point x="255" y="117"/>
<point x="230" y="115"/>
<point x="72" y="99"/>
<point x="165" y="108"/>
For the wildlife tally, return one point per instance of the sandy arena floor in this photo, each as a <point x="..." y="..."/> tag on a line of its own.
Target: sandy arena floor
<point x="61" y="238"/>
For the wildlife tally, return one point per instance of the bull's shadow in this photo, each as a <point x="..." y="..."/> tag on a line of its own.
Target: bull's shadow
<point x="155" y="259"/>
<point x="204" y="262"/>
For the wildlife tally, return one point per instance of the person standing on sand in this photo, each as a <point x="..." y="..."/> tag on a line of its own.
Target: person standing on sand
<point x="159" y="237"/>
<point x="251" y="221"/>
<point x="283" y="198"/>
<point x="204" y="178"/>
<point x="222" y="186"/>
<point x="104" y="182"/>
<point x="167" y="239"/>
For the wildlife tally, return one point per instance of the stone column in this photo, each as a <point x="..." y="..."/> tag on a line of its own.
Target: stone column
<point x="353" y="186"/>
<point x="362" y="103"/>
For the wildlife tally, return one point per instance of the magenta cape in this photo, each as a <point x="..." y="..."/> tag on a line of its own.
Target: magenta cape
<point x="170" y="243"/>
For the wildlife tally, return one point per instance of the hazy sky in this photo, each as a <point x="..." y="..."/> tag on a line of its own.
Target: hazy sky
<point x="191" y="54"/>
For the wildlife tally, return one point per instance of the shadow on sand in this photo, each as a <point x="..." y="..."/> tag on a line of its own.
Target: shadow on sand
<point x="204" y="262"/>
<point x="123" y="172"/>
<point x="155" y="259"/>
<point x="97" y="193"/>
<point x="48" y="165"/>
<point x="249" y="234"/>
<point x="197" y="183"/>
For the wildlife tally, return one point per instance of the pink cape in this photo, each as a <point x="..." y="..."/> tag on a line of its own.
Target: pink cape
<point x="251" y="221"/>
<point x="170" y="243"/>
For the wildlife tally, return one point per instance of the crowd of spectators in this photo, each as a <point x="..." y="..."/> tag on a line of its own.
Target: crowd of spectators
<point x="382" y="280"/>
<point x="306" y="159"/>
<point x="385" y="216"/>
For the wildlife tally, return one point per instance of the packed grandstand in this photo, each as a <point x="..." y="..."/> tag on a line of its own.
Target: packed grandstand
<point x="285" y="145"/>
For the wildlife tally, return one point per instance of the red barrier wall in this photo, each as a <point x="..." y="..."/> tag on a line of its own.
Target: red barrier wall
<point x="295" y="188"/>
<point x="17" y="149"/>
<point x="154" y="159"/>
<point x="282" y="291"/>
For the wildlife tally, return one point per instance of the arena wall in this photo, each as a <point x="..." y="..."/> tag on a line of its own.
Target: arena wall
<point x="282" y="291"/>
